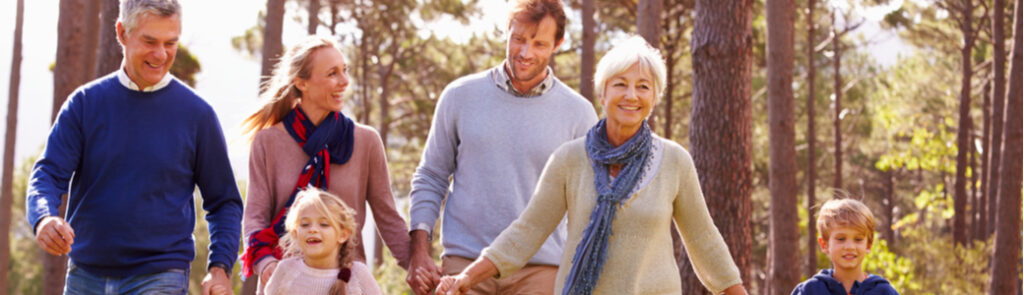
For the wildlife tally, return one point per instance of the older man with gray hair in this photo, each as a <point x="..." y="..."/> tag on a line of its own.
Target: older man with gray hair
<point x="135" y="144"/>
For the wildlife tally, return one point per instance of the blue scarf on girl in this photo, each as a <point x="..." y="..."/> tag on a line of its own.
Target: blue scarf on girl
<point x="592" y="251"/>
<point x="331" y="142"/>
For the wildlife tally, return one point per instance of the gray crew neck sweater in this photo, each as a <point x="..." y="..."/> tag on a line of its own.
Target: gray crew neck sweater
<point x="493" y="146"/>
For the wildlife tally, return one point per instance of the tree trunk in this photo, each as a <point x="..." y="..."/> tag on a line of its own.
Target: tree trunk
<point x="887" y="208"/>
<point x="92" y="41"/>
<point x="314" y="17"/>
<point x="721" y="48"/>
<point x="587" y="56"/>
<point x="837" y="85"/>
<point x="975" y="198"/>
<point x="272" y="37"/>
<point x="981" y="231"/>
<point x="998" y="102"/>
<point x="6" y="190"/>
<point x="648" y="21"/>
<point x="784" y="235"/>
<point x="960" y="182"/>
<point x="812" y="174"/>
<point x="108" y="55"/>
<point x="1006" y="256"/>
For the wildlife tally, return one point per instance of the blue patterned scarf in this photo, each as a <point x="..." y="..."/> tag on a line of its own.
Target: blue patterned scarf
<point x="592" y="251"/>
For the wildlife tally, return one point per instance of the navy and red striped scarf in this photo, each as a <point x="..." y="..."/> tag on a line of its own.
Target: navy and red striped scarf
<point x="331" y="142"/>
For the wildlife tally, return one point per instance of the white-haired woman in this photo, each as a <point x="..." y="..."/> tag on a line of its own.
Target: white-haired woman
<point x="620" y="187"/>
<point x="301" y="138"/>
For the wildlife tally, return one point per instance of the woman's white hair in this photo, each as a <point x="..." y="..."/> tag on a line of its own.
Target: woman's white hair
<point x="631" y="51"/>
<point x="131" y="10"/>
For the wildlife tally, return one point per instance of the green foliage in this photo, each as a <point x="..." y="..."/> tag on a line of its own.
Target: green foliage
<point x="185" y="66"/>
<point x="898" y="270"/>
<point x="25" y="273"/>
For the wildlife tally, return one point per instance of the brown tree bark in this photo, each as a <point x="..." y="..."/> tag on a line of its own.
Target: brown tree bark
<point x="92" y="42"/>
<point x="720" y="130"/>
<point x="6" y="190"/>
<point x="998" y="102"/>
<point x="314" y="16"/>
<point x="272" y="37"/>
<point x="960" y="182"/>
<point x="837" y="85"/>
<point x="109" y="54"/>
<point x="811" y="265"/>
<point x="1006" y="255"/>
<point x="587" y="57"/>
<point x="981" y="230"/>
<point x="887" y="208"/>
<point x="648" y="21"/>
<point x="783" y="233"/>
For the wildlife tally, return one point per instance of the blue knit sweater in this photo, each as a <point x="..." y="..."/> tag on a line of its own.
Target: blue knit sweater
<point x="823" y="284"/>
<point x="133" y="160"/>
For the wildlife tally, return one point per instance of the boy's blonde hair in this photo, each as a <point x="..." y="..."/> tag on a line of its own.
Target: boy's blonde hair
<point x="846" y="212"/>
<point x="339" y="216"/>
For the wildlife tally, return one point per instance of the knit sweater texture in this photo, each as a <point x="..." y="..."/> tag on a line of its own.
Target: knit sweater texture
<point x="640" y="255"/>
<point x="275" y="162"/>
<point x="293" y="276"/>
<point x="493" y="146"/>
<point x="824" y="284"/>
<point x="133" y="160"/>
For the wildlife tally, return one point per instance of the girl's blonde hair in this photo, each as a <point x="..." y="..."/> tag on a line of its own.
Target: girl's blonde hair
<point x="279" y="94"/>
<point x="340" y="217"/>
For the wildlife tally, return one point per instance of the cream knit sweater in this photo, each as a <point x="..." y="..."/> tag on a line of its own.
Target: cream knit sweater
<point x="640" y="255"/>
<point x="293" y="276"/>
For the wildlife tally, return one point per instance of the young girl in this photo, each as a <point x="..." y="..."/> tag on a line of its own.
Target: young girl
<point x="319" y="250"/>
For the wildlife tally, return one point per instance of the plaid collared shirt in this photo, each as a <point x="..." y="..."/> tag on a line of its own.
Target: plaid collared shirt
<point x="504" y="81"/>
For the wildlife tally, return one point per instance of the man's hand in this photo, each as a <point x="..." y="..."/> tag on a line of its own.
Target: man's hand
<point x="216" y="282"/>
<point x="267" y="272"/>
<point x="423" y="274"/>
<point x="55" y="235"/>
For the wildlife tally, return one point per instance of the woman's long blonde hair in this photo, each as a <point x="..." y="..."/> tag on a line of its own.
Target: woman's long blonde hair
<point x="279" y="94"/>
<point x="339" y="216"/>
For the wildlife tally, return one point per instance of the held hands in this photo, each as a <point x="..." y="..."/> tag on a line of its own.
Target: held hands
<point x="424" y="274"/>
<point x="267" y="272"/>
<point x="55" y="235"/>
<point x="454" y="285"/>
<point x="216" y="282"/>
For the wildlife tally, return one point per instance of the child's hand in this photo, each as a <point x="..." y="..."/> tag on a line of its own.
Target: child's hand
<point x="454" y="285"/>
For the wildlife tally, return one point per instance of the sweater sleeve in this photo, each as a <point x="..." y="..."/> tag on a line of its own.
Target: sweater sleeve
<point x="704" y="244"/>
<point x="430" y="182"/>
<point x="393" y="229"/>
<point x="61" y="156"/>
<point x="259" y="201"/>
<point x="365" y="279"/>
<point x="512" y="249"/>
<point x="216" y="182"/>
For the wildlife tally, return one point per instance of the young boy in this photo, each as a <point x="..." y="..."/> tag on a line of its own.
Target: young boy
<point x="847" y="230"/>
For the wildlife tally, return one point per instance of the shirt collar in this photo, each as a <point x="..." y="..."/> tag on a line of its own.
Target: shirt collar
<point x="122" y="76"/>
<point x="504" y="81"/>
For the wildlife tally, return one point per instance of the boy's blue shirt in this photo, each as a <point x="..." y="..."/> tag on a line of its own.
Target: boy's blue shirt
<point x="130" y="162"/>
<point x="823" y="284"/>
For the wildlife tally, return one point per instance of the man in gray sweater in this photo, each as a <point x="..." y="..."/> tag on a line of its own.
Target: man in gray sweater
<point x="491" y="136"/>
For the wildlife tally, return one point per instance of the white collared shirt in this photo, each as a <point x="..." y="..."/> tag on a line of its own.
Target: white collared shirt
<point x="122" y="76"/>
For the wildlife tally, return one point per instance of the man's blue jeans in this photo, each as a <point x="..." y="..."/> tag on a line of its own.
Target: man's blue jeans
<point x="171" y="282"/>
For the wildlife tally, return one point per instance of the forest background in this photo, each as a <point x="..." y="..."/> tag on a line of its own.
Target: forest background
<point x="913" y="107"/>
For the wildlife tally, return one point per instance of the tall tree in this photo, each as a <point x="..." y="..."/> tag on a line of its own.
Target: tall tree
<point x="272" y="37"/>
<point x="92" y="42"/>
<point x="966" y="21"/>
<point x="675" y="23"/>
<point x="1006" y="256"/>
<point x="995" y="161"/>
<point x="782" y="273"/>
<point x="108" y="55"/>
<point x="648" y="21"/>
<point x="837" y="92"/>
<point x="981" y="231"/>
<point x="69" y="72"/>
<point x="587" y="51"/>
<point x="6" y="190"/>
<point x="314" y="16"/>
<point x="720" y="131"/>
<point x="812" y="175"/>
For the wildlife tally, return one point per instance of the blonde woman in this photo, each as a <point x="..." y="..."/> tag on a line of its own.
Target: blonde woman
<point x="300" y="138"/>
